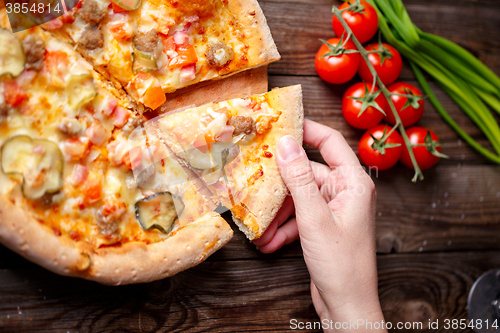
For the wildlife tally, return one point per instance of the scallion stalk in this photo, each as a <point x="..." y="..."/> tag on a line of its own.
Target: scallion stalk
<point x="489" y="99"/>
<point x="468" y="59"/>
<point x="460" y="74"/>
<point x="455" y="65"/>
<point x="440" y="109"/>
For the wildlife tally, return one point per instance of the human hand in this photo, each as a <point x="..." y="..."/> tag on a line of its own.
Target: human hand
<point x="332" y="209"/>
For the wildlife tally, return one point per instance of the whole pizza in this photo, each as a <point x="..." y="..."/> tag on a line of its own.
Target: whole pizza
<point x="94" y="182"/>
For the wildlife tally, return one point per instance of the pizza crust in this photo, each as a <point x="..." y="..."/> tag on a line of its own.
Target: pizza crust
<point x="266" y="196"/>
<point x="131" y="263"/>
<point x="253" y="23"/>
<point x="241" y="85"/>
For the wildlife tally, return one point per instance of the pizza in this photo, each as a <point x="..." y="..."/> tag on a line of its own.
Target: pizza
<point x="92" y="187"/>
<point x="150" y="47"/>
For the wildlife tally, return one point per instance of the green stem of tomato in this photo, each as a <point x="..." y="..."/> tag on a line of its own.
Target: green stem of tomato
<point x="418" y="173"/>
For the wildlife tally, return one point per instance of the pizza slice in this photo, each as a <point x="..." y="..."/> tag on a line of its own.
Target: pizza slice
<point x="230" y="146"/>
<point x="152" y="47"/>
<point x="69" y="200"/>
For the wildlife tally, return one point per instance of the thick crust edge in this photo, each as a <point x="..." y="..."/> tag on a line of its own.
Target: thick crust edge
<point x="131" y="263"/>
<point x="258" y="36"/>
<point x="266" y="196"/>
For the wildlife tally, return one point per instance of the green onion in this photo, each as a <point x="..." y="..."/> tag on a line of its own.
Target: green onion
<point x="439" y="108"/>
<point x="463" y="77"/>
<point x="453" y="64"/>
<point x="489" y="99"/>
<point x="467" y="58"/>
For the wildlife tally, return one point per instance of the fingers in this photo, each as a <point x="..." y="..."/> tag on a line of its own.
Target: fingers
<point x="298" y="175"/>
<point x="321" y="172"/>
<point x="331" y="144"/>
<point x="287" y="210"/>
<point x="286" y="234"/>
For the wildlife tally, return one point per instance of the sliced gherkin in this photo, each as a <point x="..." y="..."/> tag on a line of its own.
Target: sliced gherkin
<point x="144" y="61"/>
<point x="39" y="162"/>
<point x="12" y="57"/>
<point x="198" y="160"/>
<point x="157" y="212"/>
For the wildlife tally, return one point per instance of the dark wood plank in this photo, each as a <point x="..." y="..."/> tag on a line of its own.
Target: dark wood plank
<point x="297" y="26"/>
<point x="235" y="296"/>
<point x="433" y="286"/>
<point x="455" y="208"/>
<point x="232" y="296"/>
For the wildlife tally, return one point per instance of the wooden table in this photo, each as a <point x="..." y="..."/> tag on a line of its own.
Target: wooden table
<point x="434" y="238"/>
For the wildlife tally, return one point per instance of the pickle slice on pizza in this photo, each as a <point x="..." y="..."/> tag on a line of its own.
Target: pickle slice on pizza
<point x="69" y="200"/>
<point x="230" y="146"/>
<point x="152" y="47"/>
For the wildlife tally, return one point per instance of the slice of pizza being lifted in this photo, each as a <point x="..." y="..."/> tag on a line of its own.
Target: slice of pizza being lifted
<point x="230" y="146"/>
<point x="152" y="47"/>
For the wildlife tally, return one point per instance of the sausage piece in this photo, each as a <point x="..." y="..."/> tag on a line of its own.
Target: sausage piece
<point x="147" y="42"/>
<point x="109" y="216"/>
<point x="70" y="127"/>
<point x="91" y="12"/>
<point x="92" y="38"/>
<point x="242" y="125"/>
<point x="219" y="55"/>
<point x="51" y="198"/>
<point x="34" y="48"/>
<point x="106" y="224"/>
<point x="4" y="112"/>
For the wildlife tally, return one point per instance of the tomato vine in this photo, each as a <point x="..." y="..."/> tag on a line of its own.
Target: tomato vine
<point x="364" y="54"/>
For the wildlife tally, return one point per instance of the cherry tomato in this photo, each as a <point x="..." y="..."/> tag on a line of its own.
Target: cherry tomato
<point x="382" y="158"/>
<point x="337" y="69"/>
<point x="351" y="107"/>
<point x="425" y="159"/>
<point x="410" y="109"/>
<point x="363" y="24"/>
<point x="388" y="71"/>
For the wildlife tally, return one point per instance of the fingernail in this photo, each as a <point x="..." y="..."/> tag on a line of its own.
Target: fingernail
<point x="288" y="148"/>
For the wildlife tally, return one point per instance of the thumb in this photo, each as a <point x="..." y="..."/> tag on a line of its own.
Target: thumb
<point x="296" y="171"/>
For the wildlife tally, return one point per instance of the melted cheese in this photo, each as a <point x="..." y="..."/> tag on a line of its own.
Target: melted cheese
<point x="117" y="54"/>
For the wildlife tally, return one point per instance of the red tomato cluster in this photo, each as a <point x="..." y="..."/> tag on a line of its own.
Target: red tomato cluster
<point x="363" y="104"/>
